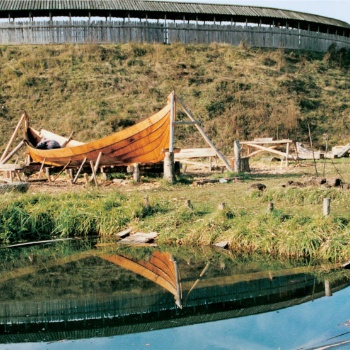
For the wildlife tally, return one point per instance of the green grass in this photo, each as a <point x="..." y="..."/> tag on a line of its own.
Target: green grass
<point x="296" y="228"/>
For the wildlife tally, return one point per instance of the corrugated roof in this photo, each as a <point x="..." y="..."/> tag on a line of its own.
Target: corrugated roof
<point x="172" y="10"/>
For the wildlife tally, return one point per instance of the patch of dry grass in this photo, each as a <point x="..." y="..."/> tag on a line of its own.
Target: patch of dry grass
<point x="236" y="92"/>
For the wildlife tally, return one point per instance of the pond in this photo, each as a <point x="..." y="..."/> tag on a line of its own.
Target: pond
<point x="98" y="294"/>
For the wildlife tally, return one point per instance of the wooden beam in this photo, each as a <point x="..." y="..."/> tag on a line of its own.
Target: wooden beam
<point x="185" y="123"/>
<point x="267" y="149"/>
<point x="24" y="116"/>
<point x="10" y="155"/>
<point x="187" y="153"/>
<point x="63" y="169"/>
<point x="93" y="173"/>
<point x="265" y="142"/>
<point x="41" y="168"/>
<point x="98" y="161"/>
<point x="206" y="138"/>
<point x="257" y="152"/>
<point x="79" y="171"/>
<point x="93" y="177"/>
<point x="64" y="144"/>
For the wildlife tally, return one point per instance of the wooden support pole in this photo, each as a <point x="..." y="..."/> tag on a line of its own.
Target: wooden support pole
<point x="86" y="177"/>
<point x="93" y="173"/>
<point x="287" y="154"/>
<point x="136" y="172"/>
<point x="98" y="160"/>
<point x="146" y="201"/>
<point x="206" y="138"/>
<point x="96" y="167"/>
<point x="326" y="206"/>
<point x="64" y="144"/>
<point x="24" y="116"/>
<point x="237" y="157"/>
<point x="41" y="168"/>
<point x="10" y="155"/>
<point x="70" y="173"/>
<point x="63" y="169"/>
<point x="79" y="170"/>
<point x="169" y="167"/>
<point x="47" y="172"/>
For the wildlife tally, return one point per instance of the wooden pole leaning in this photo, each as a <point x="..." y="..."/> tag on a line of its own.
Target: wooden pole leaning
<point x="41" y="168"/>
<point x="9" y="156"/>
<point x="95" y="168"/>
<point x="23" y="118"/>
<point x="93" y="173"/>
<point x="62" y="170"/>
<point x="64" y="144"/>
<point x="79" y="171"/>
<point x="206" y="138"/>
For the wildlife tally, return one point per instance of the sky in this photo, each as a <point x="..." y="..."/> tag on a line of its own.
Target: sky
<point x="337" y="9"/>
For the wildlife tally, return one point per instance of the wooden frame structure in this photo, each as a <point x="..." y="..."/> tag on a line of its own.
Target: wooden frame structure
<point x="269" y="145"/>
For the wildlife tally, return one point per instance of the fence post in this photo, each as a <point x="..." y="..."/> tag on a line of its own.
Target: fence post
<point x="136" y="173"/>
<point x="326" y="206"/>
<point x="237" y="156"/>
<point x="169" y="172"/>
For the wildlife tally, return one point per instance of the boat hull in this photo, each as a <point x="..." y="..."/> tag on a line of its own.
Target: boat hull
<point x="141" y="143"/>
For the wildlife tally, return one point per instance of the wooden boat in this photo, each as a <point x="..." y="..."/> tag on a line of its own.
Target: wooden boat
<point x="141" y="143"/>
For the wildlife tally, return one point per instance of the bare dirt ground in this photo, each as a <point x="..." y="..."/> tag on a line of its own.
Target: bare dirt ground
<point x="198" y="171"/>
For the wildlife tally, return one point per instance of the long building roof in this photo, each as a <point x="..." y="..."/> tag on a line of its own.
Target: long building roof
<point x="170" y="10"/>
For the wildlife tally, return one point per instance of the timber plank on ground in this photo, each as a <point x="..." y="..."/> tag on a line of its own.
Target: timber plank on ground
<point x="139" y="238"/>
<point x="188" y="153"/>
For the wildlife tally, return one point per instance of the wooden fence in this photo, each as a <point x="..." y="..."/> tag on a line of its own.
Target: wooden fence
<point x="85" y="31"/>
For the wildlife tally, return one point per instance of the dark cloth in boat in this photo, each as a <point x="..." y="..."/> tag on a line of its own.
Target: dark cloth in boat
<point x="48" y="144"/>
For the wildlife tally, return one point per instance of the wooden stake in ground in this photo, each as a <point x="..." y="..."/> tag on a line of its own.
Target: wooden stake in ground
<point x="326" y="206"/>
<point x="169" y="167"/>
<point x="136" y="173"/>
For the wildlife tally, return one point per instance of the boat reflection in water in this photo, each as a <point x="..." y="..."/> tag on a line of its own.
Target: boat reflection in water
<point x="69" y="292"/>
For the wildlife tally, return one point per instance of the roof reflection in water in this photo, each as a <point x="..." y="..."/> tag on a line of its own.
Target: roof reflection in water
<point x="73" y="291"/>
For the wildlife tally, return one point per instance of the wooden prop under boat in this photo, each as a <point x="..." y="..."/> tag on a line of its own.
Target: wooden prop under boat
<point x="141" y="143"/>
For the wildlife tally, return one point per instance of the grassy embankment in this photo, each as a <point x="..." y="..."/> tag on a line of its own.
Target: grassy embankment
<point x="296" y="228"/>
<point x="237" y="93"/>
